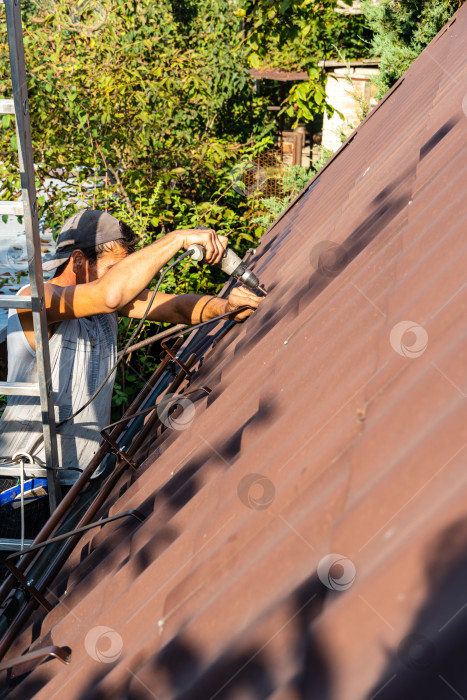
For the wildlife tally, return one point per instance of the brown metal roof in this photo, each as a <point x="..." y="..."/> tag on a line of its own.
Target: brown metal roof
<point x="306" y="534"/>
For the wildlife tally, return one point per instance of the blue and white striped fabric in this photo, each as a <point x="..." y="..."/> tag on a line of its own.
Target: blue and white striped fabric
<point x="82" y="352"/>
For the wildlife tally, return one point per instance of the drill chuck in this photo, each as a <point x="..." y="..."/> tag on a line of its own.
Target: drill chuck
<point x="231" y="264"/>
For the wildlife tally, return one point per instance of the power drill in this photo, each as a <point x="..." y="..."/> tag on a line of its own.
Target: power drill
<point x="231" y="264"/>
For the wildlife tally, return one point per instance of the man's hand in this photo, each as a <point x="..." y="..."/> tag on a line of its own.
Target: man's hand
<point x="242" y="296"/>
<point x="214" y="244"/>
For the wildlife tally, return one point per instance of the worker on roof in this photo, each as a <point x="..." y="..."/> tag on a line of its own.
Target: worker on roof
<point x="98" y="276"/>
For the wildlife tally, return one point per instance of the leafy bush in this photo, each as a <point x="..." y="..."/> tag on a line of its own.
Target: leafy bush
<point x="141" y="104"/>
<point x="145" y="108"/>
<point x="142" y="109"/>
<point x="293" y="180"/>
<point x="402" y="29"/>
<point x="296" y="35"/>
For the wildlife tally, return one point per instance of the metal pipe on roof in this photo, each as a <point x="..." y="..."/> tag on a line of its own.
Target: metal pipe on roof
<point x="152" y="339"/>
<point x="47" y="576"/>
<point x="104" y="491"/>
<point x="153" y="418"/>
<point x="183" y="328"/>
<point x="79" y="530"/>
<point x="10" y="635"/>
<point x="77" y="487"/>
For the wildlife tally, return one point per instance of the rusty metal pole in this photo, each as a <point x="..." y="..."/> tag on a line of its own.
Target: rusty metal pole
<point x="77" y="487"/>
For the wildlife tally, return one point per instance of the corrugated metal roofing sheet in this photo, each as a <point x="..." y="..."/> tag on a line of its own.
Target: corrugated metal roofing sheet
<point x="306" y="533"/>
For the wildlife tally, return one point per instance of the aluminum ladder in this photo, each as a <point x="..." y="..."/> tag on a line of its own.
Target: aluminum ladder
<point x="27" y="207"/>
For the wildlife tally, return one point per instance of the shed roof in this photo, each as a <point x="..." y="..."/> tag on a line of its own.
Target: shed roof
<point x="284" y="75"/>
<point x="281" y="74"/>
<point x="337" y="425"/>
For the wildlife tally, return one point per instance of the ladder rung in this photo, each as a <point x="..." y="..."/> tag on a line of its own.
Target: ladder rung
<point x="7" y="106"/>
<point x="15" y="301"/>
<point x="6" y="543"/>
<point x="31" y="471"/>
<point x="12" y="208"/>
<point x="19" y="389"/>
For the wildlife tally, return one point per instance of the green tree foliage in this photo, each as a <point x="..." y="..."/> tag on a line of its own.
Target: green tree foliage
<point x="291" y="34"/>
<point x="402" y="29"/>
<point x="293" y="180"/>
<point x="139" y="107"/>
<point x="297" y="34"/>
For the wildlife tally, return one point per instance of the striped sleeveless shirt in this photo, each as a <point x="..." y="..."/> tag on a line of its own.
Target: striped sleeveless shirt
<point x="82" y="352"/>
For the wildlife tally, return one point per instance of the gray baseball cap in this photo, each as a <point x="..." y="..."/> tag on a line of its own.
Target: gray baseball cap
<point x="86" y="229"/>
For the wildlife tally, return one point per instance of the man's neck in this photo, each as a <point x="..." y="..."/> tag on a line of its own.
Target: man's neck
<point x="66" y="279"/>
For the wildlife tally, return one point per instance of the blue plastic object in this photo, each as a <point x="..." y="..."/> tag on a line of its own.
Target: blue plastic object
<point x="33" y="490"/>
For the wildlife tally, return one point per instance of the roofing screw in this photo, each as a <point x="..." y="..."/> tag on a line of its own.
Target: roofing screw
<point x="285" y="342"/>
<point x="25" y="105"/>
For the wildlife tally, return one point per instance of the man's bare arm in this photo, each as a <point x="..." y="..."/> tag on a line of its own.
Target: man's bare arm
<point x="190" y="308"/>
<point x="123" y="282"/>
